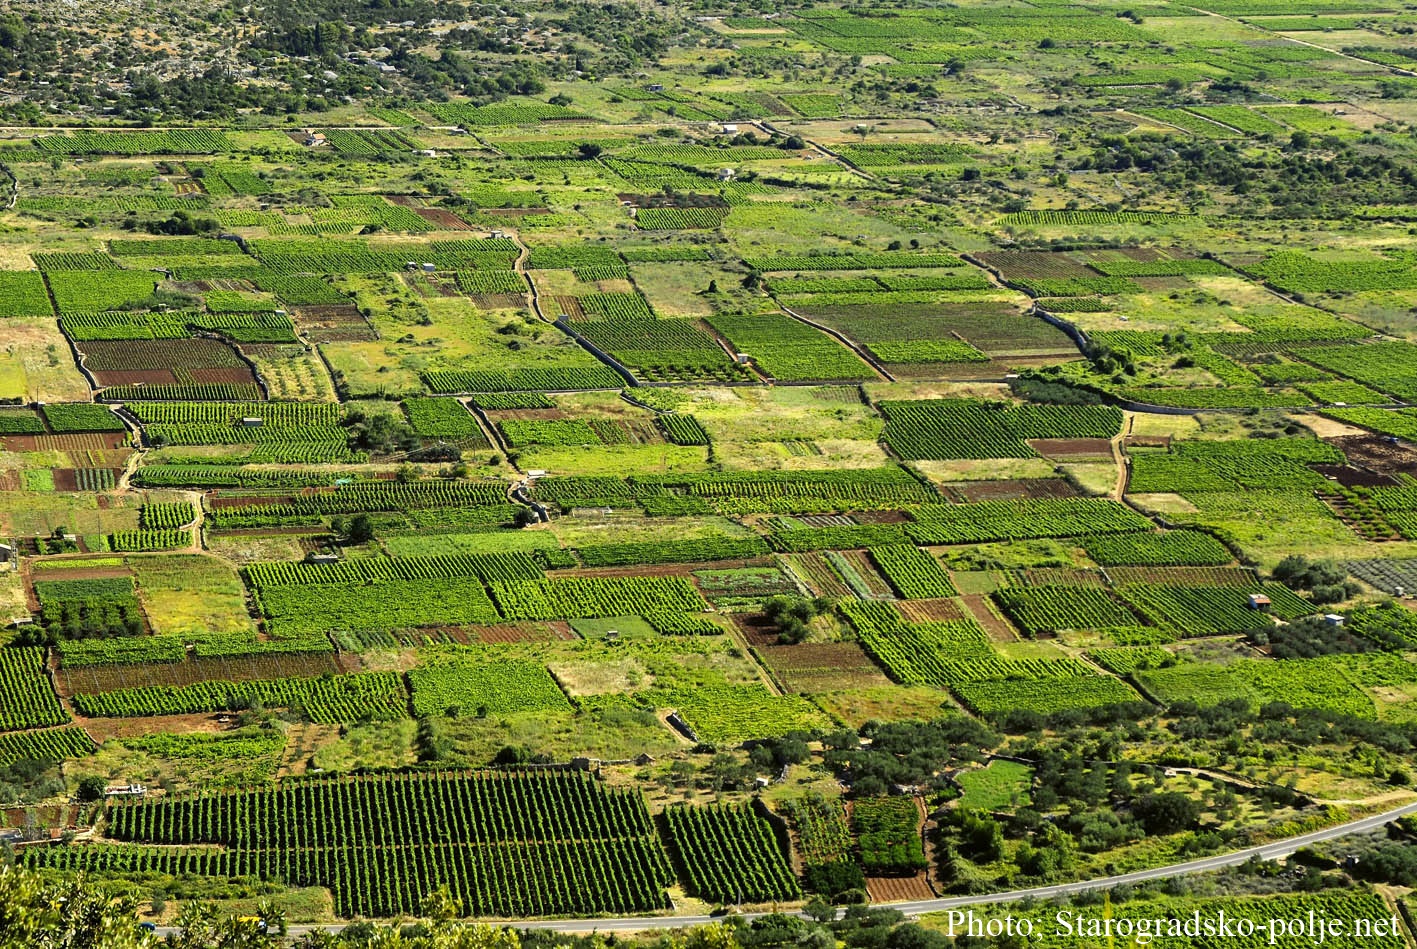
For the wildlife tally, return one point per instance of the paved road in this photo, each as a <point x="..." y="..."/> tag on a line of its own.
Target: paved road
<point x="1271" y="851"/>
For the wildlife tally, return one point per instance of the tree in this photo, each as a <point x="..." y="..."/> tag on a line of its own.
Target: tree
<point x="91" y="788"/>
<point x="1167" y="813"/>
<point x="35" y="912"/>
<point x="361" y="529"/>
<point x="589" y="150"/>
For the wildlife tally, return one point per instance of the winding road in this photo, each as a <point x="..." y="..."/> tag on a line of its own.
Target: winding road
<point x="1270" y="851"/>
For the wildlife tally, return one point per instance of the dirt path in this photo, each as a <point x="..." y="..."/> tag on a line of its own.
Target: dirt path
<point x="767" y="129"/>
<point x="520" y="266"/>
<point x="195" y="498"/>
<point x="1120" y="488"/>
<point x="861" y="351"/>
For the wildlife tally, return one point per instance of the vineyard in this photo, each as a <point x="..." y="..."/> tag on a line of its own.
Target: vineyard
<point x="485" y="687"/>
<point x="50" y="744"/>
<point x="352" y="698"/>
<point x="29" y="699"/>
<point x="887" y="834"/>
<point x="1048" y="609"/>
<point x="789" y="350"/>
<point x="728" y="854"/>
<point x="506" y="844"/>
<point x="443" y="418"/>
<point x="911" y="572"/>
<point x="824" y="841"/>
<point x="965" y="428"/>
<point x="625" y="460"/>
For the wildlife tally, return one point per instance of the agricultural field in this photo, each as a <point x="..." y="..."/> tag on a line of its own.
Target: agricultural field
<point x="637" y="460"/>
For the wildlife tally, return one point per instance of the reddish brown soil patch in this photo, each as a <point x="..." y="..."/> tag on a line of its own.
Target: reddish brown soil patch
<point x="1056" y="448"/>
<point x="215" y="501"/>
<point x="132" y="377"/>
<point x="881" y="517"/>
<point x="571" y="306"/>
<point x="67" y="479"/>
<point x="1035" y="264"/>
<point x="998" y="629"/>
<point x="83" y="573"/>
<point x="925" y="611"/>
<point x="332" y="313"/>
<point x="968" y="491"/>
<point x="95" y="441"/>
<point x="899" y="889"/>
<point x="523" y="632"/>
<point x="821" y="667"/>
<point x="1160" y="284"/>
<point x="497" y="301"/>
<point x="1351" y="477"/>
<point x="102" y="729"/>
<point x="107" y="678"/>
<point x="270" y="531"/>
<point x="756" y="628"/>
<point x="158" y="354"/>
<point x="446" y="220"/>
<point x="1376" y="454"/>
<point x="53" y="817"/>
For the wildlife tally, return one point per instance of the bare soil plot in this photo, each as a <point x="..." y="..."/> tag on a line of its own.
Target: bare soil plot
<point x="821" y="667"/>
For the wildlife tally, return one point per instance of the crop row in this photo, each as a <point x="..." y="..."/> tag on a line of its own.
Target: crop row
<point x="729" y="854"/>
<point x="508" y="566"/>
<point x="970" y="428"/>
<point x="506" y="844"/>
<point x="27" y="698"/>
<point x="327" y="699"/>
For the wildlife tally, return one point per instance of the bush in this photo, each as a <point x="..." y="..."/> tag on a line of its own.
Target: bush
<point x="92" y="788"/>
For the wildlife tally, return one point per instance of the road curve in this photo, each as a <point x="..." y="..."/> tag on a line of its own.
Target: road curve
<point x="1270" y="851"/>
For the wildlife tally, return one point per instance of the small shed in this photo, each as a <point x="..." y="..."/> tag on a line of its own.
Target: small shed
<point x="125" y="790"/>
<point x="1333" y="619"/>
<point x="252" y="421"/>
<point x="730" y="129"/>
<point x="429" y="268"/>
<point x="1258" y="601"/>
